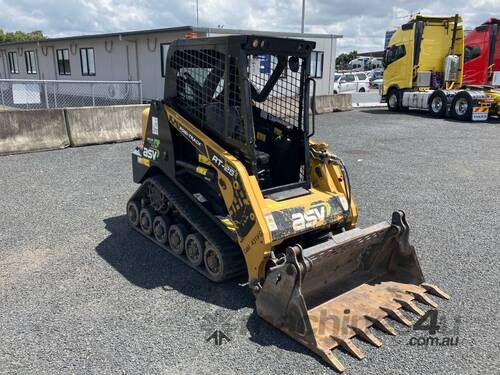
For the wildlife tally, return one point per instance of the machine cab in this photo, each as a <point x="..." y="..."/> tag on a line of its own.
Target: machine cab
<point x="250" y="94"/>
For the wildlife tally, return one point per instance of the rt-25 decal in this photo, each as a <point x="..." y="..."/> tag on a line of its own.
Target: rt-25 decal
<point x="219" y="163"/>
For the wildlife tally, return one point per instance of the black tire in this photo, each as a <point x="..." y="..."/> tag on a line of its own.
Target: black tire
<point x="214" y="262"/>
<point x="177" y="234"/>
<point x="362" y="89"/>
<point x="133" y="209"/>
<point x="146" y="217"/>
<point x="393" y="100"/>
<point x="335" y="92"/>
<point x="437" y="104"/>
<point x="161" y="225"/>
<point x="194" y="248"/>
<point x="461" y="106"/>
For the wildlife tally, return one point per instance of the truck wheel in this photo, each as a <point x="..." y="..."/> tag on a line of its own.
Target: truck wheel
<point x="393" y="102"/>
<point x="437" y="104"/>
<point x="362" y="89"/>
<point x="461" y="106"/>
<point x="176" y="236"/>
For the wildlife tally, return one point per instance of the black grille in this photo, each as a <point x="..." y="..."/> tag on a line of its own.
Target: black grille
<point x="284" y="99"/>
<point x="202" y="88"/>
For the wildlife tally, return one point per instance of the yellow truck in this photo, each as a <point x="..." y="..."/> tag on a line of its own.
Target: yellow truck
<point x="424" y="69"/>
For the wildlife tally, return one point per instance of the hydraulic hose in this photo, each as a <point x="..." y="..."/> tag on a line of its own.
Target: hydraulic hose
<point x="347" y="182"/>
<point x="322" y="155"/>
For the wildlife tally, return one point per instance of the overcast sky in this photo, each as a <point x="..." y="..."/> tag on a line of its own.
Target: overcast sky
<point x="362" y="23"/>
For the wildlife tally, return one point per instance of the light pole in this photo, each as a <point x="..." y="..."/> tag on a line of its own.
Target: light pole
<point x="196" y="13"/>
<point x="303" y="16"/>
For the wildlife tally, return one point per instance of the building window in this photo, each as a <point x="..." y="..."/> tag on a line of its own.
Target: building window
<point x="164" y="53"/>
<point x="317" y="64"/>
<point x="29" y="56"/>
<point x="88" y="61"/>
<point x="63" y="62"/>
<point x="13" y="67"/>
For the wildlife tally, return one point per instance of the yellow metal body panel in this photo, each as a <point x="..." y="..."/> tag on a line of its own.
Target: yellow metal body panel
<point x="435" y="46"/>
<point x="256" y="219"/>
<point x="144" y="123"/>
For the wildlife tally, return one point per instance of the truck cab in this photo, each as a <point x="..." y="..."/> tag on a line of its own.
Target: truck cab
<point x="417" y="50"/>
<point x="424" y="64"/>
<point x="482" y="54"/>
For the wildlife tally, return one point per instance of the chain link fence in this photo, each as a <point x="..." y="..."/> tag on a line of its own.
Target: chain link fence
<point x="36" y="94"/>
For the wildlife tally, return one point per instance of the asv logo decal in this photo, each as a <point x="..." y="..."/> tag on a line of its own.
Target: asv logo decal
<point x="150" y="153"/>
<point x="308" y="219"/>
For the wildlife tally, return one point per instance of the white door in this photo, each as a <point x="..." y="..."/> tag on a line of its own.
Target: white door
<point x="350" y="84"/>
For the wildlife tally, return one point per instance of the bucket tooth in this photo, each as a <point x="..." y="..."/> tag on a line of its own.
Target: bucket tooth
<point x="397" y="315"/>
<point x="422" y="297"/>
<point x="435" y="290"/>
<point x="409" y="306"/>
<point x="367" y="335"/>
<point x="383" y="325"/>
<point x="333" y="361"/>
<point x="349" y="346"/>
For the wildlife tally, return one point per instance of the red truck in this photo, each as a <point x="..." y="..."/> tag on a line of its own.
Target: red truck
<point x="482" y="60"/>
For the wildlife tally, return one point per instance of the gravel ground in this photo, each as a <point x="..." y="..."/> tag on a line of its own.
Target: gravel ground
<point x="82" y="293"/>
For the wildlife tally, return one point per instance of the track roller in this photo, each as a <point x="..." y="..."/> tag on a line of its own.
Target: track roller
<point x="160" y="228"/>
<point x="194" y="247"/>
<point x="146" y="217"/>
<point x="133" y="209"/>
<point x="177" y="234"/>
<point x="214" y="262"/>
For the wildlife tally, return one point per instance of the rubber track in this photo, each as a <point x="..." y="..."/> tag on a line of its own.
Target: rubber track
<point x="231" y="252"/>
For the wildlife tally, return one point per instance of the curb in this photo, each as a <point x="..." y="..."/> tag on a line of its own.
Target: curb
<point x="365" y="105"/>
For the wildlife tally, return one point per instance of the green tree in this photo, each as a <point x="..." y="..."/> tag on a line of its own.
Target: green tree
<point x="343" y="59"/>
<point x="20" y="36"/>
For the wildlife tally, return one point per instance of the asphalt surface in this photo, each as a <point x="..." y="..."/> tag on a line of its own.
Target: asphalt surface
<point x="371" y="96"/>
<point x="83" y="293"/>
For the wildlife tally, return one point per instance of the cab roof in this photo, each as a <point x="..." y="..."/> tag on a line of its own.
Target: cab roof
<point x="492" y="21"/>
<point x="420" y="17"/>
<point x="250" y="43"/>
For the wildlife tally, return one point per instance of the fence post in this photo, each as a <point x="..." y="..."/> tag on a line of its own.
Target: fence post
<point x="46" y="94"/>
<point x="1" y="91"/>
<point x="140" y="92"/>
<point x="92" y="91"/>
<point x="55" y="95"/>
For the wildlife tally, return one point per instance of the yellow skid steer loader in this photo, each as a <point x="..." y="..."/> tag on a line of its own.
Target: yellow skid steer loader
<point x="231" y="183"/>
